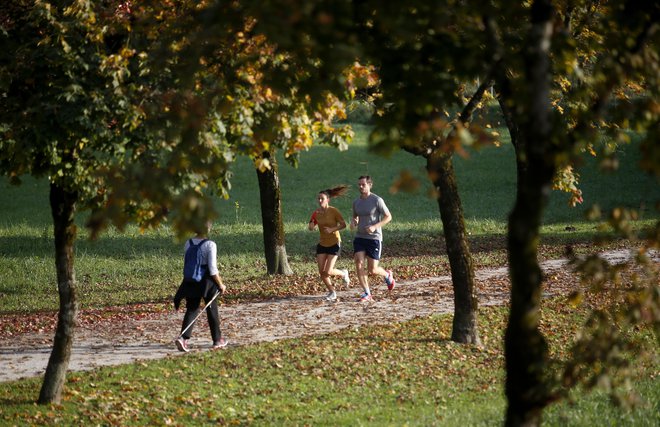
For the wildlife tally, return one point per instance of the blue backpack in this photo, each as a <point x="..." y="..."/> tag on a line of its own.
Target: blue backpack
<point x="192" y="262"/>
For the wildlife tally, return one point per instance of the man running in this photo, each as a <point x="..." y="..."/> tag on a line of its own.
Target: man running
<point x="370" y="214"/>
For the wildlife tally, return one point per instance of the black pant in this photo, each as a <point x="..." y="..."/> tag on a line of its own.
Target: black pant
<point x="194" y="293"/>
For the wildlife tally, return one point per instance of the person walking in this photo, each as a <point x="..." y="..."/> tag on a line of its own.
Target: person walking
<point x="370" y="214"/>
<point x="201" y="280"/>
<point x="329" y="221"/>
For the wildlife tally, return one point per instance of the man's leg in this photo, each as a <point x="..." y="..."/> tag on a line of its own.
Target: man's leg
<point x="374" y="268"/>
<point x="359" y="258"/>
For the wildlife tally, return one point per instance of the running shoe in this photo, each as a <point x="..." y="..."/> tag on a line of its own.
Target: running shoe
<point x="182" y="344"/>
<point x="389" y="280"/>
<point x="347" y="280"/>
<point x="332" y="296"/>
<point x="365" y="297"/>
<point x="220" y="344"/>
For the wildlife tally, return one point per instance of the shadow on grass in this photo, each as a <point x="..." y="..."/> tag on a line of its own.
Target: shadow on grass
<point x="5" y="403"/>
<point x="402" y="243"/>
<point x="403" y="246"/>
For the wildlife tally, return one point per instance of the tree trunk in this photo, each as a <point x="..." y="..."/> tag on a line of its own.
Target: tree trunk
<point x="525" y="347"/>
<point x="441" y="170"/>
<point x="517" y="138"/>
<point x="271" y="218"/>
<point x="62" y="204"/>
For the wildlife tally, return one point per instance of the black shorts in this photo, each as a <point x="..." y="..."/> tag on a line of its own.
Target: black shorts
<point x="330" y="250"/>
<point x="371" y="247"/>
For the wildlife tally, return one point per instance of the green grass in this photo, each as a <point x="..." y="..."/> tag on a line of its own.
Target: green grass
<point x="131" y="267"/>
<point x="399" y="374"/>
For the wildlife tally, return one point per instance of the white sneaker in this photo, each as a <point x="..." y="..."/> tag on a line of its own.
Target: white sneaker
<point x="347" y="280"/>
<point x="220" y="344"/>
<point x="182" y="344"/>
<point x="332" y="296"/>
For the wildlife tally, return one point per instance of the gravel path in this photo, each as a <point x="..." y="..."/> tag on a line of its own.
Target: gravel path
<point x="116" y="343"/>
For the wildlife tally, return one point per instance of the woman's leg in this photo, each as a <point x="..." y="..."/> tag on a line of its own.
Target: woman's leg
<point x="322" y="260"/>
<point x="330" y="266"/>
<point x="214" y="320"/>
<point x="192" y="306"/>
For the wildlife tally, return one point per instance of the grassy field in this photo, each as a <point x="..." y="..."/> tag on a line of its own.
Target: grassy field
<point x="132" y="267"/>
<point x="400" y="374"/>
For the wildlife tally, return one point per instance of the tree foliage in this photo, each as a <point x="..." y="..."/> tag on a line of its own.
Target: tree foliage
<point x="63" y="117"/>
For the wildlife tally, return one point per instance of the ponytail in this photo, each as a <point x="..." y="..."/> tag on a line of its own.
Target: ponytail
<point x="337" y="191"/>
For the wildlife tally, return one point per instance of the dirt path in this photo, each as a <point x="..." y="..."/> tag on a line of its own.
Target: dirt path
<point x="133" y="340"/>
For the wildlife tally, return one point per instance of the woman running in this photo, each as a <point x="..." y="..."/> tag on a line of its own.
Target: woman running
<point x="330" y="222"/>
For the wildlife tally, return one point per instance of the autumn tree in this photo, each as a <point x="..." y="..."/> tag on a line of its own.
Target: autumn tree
<point x="62" y="116"/>
<point x="423" y="110"/>
<point x="82" y="109"/>
<point x="248" y="92"/>
<point x="555" y="81"/>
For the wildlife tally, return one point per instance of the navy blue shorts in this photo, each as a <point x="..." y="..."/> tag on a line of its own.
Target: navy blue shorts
<point x="371" y="247"/>
<point x="331" y="250"/>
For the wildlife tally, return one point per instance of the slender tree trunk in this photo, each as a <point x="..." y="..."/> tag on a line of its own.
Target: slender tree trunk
<point x="441" y="170"/>
<point x="62" y="204"/>
<point x="525" y="347"/>
<point x="271" y="217"/>
<point x="518" y="140"/>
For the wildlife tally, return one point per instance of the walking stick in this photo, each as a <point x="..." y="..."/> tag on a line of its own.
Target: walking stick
<point x="199" y="314"/>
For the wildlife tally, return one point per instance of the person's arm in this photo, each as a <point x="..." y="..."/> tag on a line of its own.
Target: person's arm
<point x="218" y="281"/>
<point x="312" y="222"/>
<point x="213" y="266"/>
<point x="385" y="218"/>
<point x="341" y="224"/>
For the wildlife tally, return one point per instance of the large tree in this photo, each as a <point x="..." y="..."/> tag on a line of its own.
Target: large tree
<point x="61" y="118"/>
<point x="248" y="92"/>
<point x="75" y="109"/>
<point x="411" y="44"/>
<point x="555" y="81"/>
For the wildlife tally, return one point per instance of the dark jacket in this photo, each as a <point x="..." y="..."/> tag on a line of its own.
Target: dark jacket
<point x="206" y="289"/>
